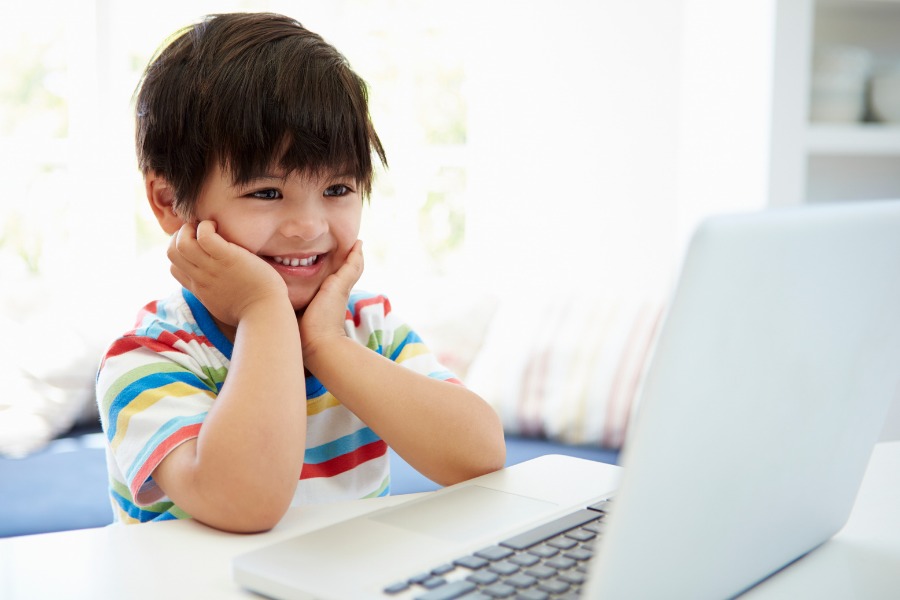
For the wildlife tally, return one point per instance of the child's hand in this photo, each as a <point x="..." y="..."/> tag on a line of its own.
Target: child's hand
<point x="225" y="277"/>
<point x="323" y="319"/>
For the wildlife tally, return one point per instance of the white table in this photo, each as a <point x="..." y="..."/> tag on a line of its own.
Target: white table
<point x="183" y="559"/>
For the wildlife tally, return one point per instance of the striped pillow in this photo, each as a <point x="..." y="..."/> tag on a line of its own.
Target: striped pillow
<point x="566" y="367"/>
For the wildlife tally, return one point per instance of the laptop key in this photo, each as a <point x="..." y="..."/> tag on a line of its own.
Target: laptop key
<point x="544" y="551"/>
<point x="560" y="562"/>
<point x="470" y="562"/>
<point x="499" y="590"/>
<point x="582" y="535"/>
<point x="503" y="567"/>
<point x="396" y="588"/>
<point x="524" y="560"/>
<point x="443" y="569"/>
<point x="596" y="527"/>
<point x="553" y="586"/>
<point x="573" y="577"/>
<point x="494" y="553"/>
<point x="449" y="591"/>
<point x="433" y="582"/>
<point x="549" y="530"/>
<point x="541" y="571"/>
<point x="579" y="554"/>
<point x="520" y="580"/>
<point x="562" y="542"/>
<point x="483" y="577"/>
<point x="532" y="595"/>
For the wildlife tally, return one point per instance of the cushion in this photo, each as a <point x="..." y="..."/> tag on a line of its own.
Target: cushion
<point x="566" y="365"/>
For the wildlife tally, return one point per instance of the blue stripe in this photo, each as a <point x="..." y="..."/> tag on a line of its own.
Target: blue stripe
<point x="356" y="296"/>
<point x="133" y="510"/>
<point x="152" y="381"/>
<point x="208" y="325"/>
<point x="314" y="388"/>
<point x="153" y="327"/>
<point x="340" y="446"/>
<point x="166" y="516"/>
<point x="442" y="375"/>
<point x="161" y="434"/>
<point x="411" y="338"/>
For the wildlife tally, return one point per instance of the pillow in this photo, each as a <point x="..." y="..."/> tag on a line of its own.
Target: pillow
<point x="566" y="366"/>
<point x="55" y="331"/>
<point x="48" y="385"/>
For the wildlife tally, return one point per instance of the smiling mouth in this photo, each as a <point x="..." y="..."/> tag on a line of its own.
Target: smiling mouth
<point x="297" y="262"/>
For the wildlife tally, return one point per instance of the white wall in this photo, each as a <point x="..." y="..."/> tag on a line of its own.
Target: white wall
<point x="632" y="120"/>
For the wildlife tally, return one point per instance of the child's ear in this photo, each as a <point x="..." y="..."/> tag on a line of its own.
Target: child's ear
<point x="161" y="196"/>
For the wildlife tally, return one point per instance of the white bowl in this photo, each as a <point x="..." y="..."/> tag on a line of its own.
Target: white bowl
<point x="885" y="96"/>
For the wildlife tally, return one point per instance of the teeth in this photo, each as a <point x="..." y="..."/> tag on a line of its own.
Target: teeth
<point x="297" y="262"/>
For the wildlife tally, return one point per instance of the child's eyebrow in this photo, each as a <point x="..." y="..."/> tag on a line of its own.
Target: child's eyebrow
<point x="257" y="177"/>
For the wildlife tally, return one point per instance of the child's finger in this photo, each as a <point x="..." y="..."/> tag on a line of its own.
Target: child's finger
<point x="182" y="249"/>
<point x="209" y="239"/>
<point x="352" y="269"/>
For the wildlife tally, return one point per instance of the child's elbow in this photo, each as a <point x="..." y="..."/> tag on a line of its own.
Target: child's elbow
<point x="251" y="516"/>
<point x="495" y="459"/>
<point x="488" y="459"/>
<point x="248" y="522"/>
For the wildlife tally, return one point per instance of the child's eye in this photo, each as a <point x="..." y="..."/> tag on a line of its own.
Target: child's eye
<point x="338" y="190"/>
<point x="267" y="194"/>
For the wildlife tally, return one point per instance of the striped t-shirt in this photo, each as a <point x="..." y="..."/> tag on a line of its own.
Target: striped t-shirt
<point x="157" y="382"/>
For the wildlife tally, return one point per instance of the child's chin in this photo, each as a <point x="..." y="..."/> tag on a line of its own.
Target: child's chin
<point x="299" y="307"/>
<point x="301" y="302"/>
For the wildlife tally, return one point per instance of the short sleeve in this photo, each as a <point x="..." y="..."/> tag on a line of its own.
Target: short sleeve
<point x="372" y="322"/>
<point x="152" y="398"/>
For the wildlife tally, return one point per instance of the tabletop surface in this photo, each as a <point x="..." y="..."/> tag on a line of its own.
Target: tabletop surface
<point x="184" y="559"/>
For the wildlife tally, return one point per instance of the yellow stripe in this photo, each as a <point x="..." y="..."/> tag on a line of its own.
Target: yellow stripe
<point x="411" y="351"/>
<point x="148" y="398"/>
<point x="133" y="375"/>
<point x="321" y="404"/>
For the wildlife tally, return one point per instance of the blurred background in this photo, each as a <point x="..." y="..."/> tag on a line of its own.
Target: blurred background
<point x="528" y="142"/>
<point x="535" y="147"/>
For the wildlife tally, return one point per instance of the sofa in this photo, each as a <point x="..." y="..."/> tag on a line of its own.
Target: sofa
<point x="565" y="385"/>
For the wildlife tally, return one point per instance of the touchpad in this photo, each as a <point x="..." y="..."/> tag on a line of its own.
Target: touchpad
<point x="468" y="512"/>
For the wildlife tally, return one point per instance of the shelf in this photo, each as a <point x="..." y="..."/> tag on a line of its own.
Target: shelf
<point x="853" y="140"/>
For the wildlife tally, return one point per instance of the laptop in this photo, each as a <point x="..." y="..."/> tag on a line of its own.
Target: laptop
<point x="767" y="388"/>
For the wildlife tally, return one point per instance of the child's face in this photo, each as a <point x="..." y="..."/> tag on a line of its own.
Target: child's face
<point x="302" y="226"/>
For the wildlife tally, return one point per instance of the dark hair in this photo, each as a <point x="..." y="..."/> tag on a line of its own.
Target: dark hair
<point x="251" y="90"/>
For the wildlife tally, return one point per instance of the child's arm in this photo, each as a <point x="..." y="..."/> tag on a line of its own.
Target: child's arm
<point x="241" y="472"/>
<point x="445" y="431"/>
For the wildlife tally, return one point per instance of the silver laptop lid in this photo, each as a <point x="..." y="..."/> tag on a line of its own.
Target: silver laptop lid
<point x="773" y="372"/>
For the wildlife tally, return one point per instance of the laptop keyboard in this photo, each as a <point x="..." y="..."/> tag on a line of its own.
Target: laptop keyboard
<point x="549" y="561"/>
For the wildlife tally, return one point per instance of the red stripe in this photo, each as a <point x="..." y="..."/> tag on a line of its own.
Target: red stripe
<point x="151" y="308"/>
<point x="359" y="306"/>
<point x="171" y="337"/>
<point x="164" y="343"/>
<point x="182" y="435"/>
<point x="344" y="462"/>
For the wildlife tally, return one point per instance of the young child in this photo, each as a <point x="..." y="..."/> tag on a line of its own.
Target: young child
<point x="266" y="381"/>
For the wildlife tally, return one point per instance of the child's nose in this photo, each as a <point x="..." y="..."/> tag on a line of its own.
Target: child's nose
<point x="307" y="224"/>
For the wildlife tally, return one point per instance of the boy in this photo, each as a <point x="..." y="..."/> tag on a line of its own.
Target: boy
<point x="256" y="145"/>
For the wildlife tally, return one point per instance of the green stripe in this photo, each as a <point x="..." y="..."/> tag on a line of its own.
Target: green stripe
<point x="399" y="335"/>
<point x="380" y="490"/>
<point x="212" y="379"/>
